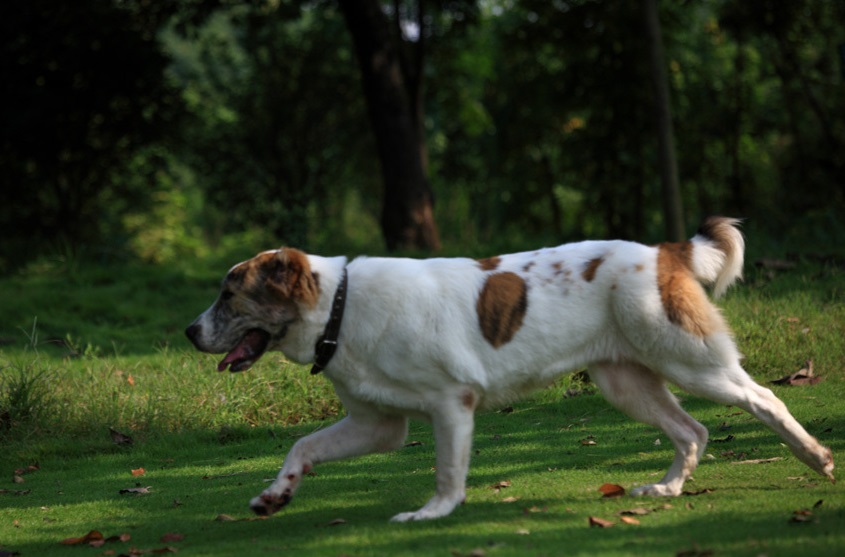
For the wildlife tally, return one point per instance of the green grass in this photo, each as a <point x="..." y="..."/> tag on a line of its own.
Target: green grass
<point x="73" y="337"/>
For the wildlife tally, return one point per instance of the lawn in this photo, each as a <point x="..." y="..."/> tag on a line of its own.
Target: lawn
<point x="85" y="349"/>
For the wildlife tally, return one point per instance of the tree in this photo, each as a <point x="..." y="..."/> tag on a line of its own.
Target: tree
<point x="672" y="210"/>
<point x="392" y="85"/>
<point x="84" y="94"/>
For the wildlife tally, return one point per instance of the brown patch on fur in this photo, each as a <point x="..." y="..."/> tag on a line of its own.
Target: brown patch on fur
<point x="639" y="268"/>
<point x="683" y="298"/>
<point x="468" y="399"/>
<point x="589" y="272"/>
<point x="527" y="266"/>
<point x="285" y="274"/>
<point x="490" y="263"/>
<point x="501" y="307"/>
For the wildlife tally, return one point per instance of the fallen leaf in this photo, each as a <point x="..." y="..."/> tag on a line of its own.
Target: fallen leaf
<point x="510" y="499"/>
<point x="93" y="535"/>
<point x="130" y="380"/>
<point x="699" y="492"/>
<point x="534" y="509"/>
<point x="802" y="515"/>
<point x="119" y="438"/>
<point x="27" y="470"/>
<point x="803" y="376"/>
<point x="629" y="520"/>
<point x="500" y="485"/>
<point x="588" y="442"/>
<point x="758" y="460"/>
<point x="599" y="522"/>
<point x="727" y="439"/>
<point x="138" y="472"/>
<point x="167" y="549"/>
<point x="18" y="479"/>
<point x="336" y="522"/>
<point x="15" y="492"/>
<point x="639" y="511"/>
<point x="136" y="490"/>
<point x="224" y="518"/>
<point x="413" y="444"/>
<point x="172" y="537"/>
<point x="523" y="532"/>
<point x="612" y="490"/>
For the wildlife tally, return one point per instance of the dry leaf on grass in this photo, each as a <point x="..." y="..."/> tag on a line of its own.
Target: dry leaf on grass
<point x="138" y="472"/>
<point x="172" y="537"/>
<point x="27" y="470"/>
<point x="704" y="491"/>
<point x="803" y="376"/>
<point x="612" y="490"/>
<point x="599" y="522"/>
<point x="15" y="492"/>
<point x="758" y="460"/>
<point x="629" y="520"/>
<point x="638" y="511"/>
<point x="336" y="522"/>
<point x="136" y="490"/>
<point x="498" y="486"/>
<point x="91" y="536"/>
<point x="510" y="499"/>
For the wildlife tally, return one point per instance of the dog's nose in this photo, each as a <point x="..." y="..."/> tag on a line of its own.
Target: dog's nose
<point x="192" y="332"/>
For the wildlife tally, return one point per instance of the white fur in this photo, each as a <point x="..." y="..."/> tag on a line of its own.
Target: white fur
<point x="410" y="345"/>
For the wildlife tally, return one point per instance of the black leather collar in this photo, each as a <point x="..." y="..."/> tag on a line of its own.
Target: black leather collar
<point x="327" y="343"/>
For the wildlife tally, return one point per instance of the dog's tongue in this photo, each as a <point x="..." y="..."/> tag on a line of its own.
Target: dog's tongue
<point x="248" y="350"/>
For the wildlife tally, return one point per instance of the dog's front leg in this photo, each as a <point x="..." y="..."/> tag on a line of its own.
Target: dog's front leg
<point x="352" y="436"/>
<point x="453" y="425"/>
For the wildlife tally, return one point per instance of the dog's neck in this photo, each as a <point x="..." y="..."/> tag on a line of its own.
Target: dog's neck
<point x="301" y="338"/>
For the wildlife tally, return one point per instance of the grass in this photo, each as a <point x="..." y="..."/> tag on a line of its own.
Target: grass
<point x="82" y="350"/>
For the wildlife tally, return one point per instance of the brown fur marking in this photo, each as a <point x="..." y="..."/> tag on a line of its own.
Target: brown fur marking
<point x="589" y="272"/>
<point x="501" y="307"/>
<point x="468" y="399"/>
<point x="490" y="263"/>
<point x="683" y="298"/>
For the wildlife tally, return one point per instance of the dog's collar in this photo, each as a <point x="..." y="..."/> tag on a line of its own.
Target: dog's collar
<point x="327" y="343"/>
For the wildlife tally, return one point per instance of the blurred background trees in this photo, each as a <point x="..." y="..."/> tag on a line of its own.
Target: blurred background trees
<point x="163" y="128"/>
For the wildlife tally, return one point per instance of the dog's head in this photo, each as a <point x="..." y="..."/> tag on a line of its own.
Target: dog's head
<point x="259" y="299"/>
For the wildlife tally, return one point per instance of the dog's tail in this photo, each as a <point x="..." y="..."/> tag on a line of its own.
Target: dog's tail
<point x="717" y="255"/>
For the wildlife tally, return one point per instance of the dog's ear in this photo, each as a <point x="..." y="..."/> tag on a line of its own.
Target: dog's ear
<point x="290" y="277"/>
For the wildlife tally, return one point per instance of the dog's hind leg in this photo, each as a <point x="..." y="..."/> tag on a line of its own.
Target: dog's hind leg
<point x="642" y="394"/>
<point x="731" y="385"/>
<point x="453" y="421"/>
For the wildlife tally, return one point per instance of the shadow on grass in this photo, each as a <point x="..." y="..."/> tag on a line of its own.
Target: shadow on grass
<point x="554" y="479"/>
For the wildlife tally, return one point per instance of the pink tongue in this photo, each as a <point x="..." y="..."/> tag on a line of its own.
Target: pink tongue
<point x="249" y="349"/>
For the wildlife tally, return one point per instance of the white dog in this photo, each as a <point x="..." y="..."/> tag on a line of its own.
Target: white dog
<point x="440" y="338"/>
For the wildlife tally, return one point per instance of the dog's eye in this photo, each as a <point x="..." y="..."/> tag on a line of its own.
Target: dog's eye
<point x="226" y="295"/>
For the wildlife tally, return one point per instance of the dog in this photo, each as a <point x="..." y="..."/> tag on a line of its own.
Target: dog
<point x="441" y="338"/>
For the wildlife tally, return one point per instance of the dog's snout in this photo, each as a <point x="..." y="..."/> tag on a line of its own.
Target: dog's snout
<point x="192" y="332"/>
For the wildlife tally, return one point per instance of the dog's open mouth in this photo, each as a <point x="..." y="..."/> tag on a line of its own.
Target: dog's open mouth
<point x="247" y="351"/>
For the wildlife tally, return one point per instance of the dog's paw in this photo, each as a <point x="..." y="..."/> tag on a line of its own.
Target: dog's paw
<point x="413" y="516"/>
<point x="656" y="490"/>
<point x="267" y="503"/>
<point x="435" y="508"/>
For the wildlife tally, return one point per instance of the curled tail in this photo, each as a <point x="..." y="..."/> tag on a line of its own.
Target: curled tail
<point x="717" y="255"/>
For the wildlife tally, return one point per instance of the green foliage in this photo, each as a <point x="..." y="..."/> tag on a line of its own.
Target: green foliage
<point x="84" y="91"/>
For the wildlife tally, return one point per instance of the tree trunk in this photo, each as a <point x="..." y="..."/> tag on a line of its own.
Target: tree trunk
<point x="393" y="101"/>
<point x="672" y="209"/>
